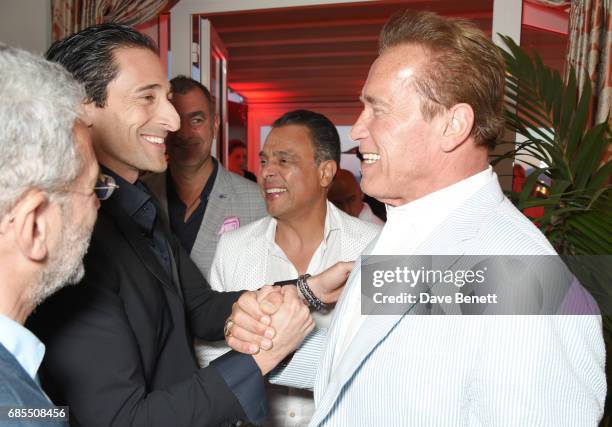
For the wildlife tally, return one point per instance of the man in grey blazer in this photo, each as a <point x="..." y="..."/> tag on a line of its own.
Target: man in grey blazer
<point x="202" y="199"/>
<point x="433" y="103"/>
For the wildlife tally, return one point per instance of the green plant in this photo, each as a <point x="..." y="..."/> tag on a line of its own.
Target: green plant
<point x="577" y="212"/>
<point x="565" y="149"/>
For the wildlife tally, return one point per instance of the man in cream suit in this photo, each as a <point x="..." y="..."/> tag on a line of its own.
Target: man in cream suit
<point x="433" y="104"/>
<point x="303" y="233"/>
<point x="202" y="198"/>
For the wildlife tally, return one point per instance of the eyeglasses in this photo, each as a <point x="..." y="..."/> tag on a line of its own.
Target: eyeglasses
<point x="105" y="186"/>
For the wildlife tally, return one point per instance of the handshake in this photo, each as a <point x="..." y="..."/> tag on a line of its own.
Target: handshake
<point x="272" y="322"/>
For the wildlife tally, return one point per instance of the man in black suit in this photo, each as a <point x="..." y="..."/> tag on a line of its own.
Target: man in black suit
<point x="120" y="345"/>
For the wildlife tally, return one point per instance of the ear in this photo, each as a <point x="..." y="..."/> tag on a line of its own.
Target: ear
<point x="216" y="122"/>
<point x="31" y="224"/>
<point x="88" y="112"/>
<point x="327" y="171"/>
<point x="459" y="124"/>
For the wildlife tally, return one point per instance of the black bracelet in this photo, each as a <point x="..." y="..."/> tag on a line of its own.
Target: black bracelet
<point x="285" y="282"/>
<point x="312" y="300"/>
<point x="302" y="285"/>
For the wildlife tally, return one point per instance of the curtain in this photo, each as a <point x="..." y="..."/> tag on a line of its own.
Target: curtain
<point x="70" y="16"/>
<point x="589" y="51"/>
<point x="551" y="3"/>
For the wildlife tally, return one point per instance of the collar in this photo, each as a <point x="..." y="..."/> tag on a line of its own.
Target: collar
<point x="22" y="344"/>
<point x="419" y="218"/>
<point x="131" y="197"/>
<point x="332" y="223"/>
<point x="439" y="204"/>
<point x="204" y="195"/>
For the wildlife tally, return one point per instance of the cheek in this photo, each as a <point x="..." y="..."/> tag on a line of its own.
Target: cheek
<point x="137" y="117"/>
<point x="205" y="135"/>
<point x="383" y="133"/>
<point x="293" y="178"/>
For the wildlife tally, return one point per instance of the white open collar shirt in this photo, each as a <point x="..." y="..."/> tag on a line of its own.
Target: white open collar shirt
<point x="416" y="219"/>
<point x="252" y="252"/>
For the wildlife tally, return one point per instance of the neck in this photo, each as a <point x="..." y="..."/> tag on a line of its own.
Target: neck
<point x="14" y="296"/>
<point x="190" y="181"/>
<point x="121" y="169"/>
<point x="302" y="230"/>
<point x="447" y="174"/>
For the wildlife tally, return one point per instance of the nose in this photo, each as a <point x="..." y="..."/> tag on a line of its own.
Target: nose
<point x="168" y="116"/>
<point x="266" y="171"/>
<point x="359" y="130"/>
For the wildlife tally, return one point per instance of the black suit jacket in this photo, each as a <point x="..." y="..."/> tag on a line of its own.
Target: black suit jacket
<point x="120" y="343"/>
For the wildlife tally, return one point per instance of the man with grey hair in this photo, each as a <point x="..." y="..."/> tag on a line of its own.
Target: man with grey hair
<point x="48" y="207"/>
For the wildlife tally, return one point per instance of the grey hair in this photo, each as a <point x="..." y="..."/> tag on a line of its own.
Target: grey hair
<point x="39" y="103"/>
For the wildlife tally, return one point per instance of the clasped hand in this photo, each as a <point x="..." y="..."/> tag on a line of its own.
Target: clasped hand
<point x="276" y="319"/>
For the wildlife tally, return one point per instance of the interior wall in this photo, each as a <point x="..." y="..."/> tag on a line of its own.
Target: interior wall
<point x="26" y="24"/>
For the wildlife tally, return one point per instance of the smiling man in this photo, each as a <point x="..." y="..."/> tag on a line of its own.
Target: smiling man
<point x="120" y="346"/>
<point x="303" y="234"/>
<point x="202" y="198"/>
<point x="432" y="110"/>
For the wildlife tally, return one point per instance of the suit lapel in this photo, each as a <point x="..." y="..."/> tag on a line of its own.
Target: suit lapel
<point x="215" y="212"/>
<point x="137" y="241"/>
<point x="8" y="360"/>
<point x="451" y="238"/>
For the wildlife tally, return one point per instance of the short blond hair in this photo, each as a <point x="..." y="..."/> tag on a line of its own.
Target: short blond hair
<point x="464" y="66"/>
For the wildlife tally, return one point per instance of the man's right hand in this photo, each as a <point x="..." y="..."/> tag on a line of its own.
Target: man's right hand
<point x="292" y="323"/>
<point x="251" y="328"/>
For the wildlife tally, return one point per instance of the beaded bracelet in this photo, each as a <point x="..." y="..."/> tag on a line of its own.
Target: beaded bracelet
<point x="312" y="300"/>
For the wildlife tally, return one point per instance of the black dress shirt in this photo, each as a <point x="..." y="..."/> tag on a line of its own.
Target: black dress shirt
<point x="187" y="231"/>
<point x="138" y="204"/>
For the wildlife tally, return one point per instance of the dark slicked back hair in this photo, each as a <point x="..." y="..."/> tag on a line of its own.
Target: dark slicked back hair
<point x="325" y="138"/>
<point x="184" y="84"/>
<point x="89" y="56"/>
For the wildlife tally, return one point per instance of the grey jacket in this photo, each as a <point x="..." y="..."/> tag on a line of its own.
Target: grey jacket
<point x="231" y="196"/>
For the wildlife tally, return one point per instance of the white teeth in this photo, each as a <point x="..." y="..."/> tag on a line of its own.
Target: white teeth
<point x="154" y="139"/>
<point x="275" y="190"/>
<point x="370" y="158"/>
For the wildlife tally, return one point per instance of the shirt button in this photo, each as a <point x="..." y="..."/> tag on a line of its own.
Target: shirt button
<point x="292" y="414"/>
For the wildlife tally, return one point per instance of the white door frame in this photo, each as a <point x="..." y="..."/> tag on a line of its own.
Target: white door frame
<point x="180" y="22"/>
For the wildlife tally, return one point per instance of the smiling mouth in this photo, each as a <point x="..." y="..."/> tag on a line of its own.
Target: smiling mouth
<point x="275" y="190"/>
<point x="370" y="158"/>
<point x="157" y="140"/>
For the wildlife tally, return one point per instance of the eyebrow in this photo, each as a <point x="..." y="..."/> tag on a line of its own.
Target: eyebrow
<point x="372" y="100"/>
<point x="195" y="114"/>
<point x="279" y="154"/>
<point x="149" y="87"/>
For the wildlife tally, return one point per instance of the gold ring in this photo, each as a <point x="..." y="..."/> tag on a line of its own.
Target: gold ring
<point x="227" y="329"/>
